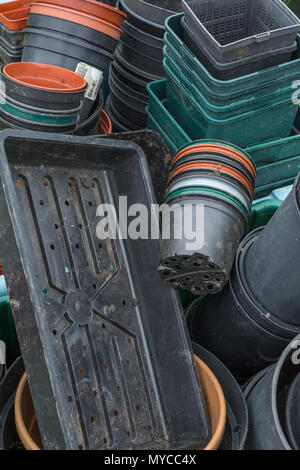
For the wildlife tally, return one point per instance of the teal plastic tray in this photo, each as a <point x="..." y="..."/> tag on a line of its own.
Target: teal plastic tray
<point x="153" y="125"/>
<point x="255" y="84"/>
<point x="218" y="109"/>
<point x="157" y="109"/>
<point x="243" y="130"/>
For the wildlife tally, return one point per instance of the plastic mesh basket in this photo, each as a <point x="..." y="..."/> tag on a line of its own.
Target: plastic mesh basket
<point x="235" y="29"/>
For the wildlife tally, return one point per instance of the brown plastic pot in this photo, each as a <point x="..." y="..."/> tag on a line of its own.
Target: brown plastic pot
<point x="215" y="403"/>
<point x="78" y="17"/>
<point x="105" y="123"/>
<point x="26" y="421"/>
<point x="45" y="77"/>
<point x="14" y="15"/>
<point x="92" y="7"/>
<point x="28" y="430"/>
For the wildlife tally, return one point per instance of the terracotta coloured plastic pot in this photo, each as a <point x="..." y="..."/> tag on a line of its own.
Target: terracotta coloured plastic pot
<point x="44" y="77"/>
<point x="105" y="123"/>
<point x="77" y="17"/>
<point x="26" y="422"/>
<point x="91" y="7"/>
<point x="13" y="15"/>
<point x="215" y="403"/>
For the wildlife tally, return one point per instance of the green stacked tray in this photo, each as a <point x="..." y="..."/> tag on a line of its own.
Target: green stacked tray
<point x="277" y="161"/>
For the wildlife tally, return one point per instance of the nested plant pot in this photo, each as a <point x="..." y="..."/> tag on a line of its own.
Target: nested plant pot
<point x="243" y="335"/>
<point x="9" y="438"/>
<point x="117" y="126"/>
<point x="121" y="84"/>
<point x="267" y="401"/>
<point x="146" y="44"/>
<point x="26" y="421"/>
<point x="121" y="117"/>
<point x="202" y="269"/>
<point x="271" y="266"/>
<point x="215" y="403"/>
<point x="130" y="79"/>
<point x="87" y="126"/>
<point x="147" y="67"/>
<point x="236" y="427"/>
<point x="130" y="109"/>
<point x="144" y="24"/>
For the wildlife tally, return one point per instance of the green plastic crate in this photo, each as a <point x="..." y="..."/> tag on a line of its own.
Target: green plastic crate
<point x="153" y="125"/>
<point x="255" y="84"/>
<point x="243" y="130"/>
<point x="262" y="212"/>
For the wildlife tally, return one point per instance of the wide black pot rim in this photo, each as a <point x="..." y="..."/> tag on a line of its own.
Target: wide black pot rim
<point x="27" y="124"/>
<point x="135" y="69"/>
<point x="135" y="94"/>
<point x="130" y="12"/>
<point x="253" y="310"/>
<point x="92" y="33"/>
<point x="77" y="42"/>
<point x="144" y="56"/>
<point x="128" y="27"/>
<point x="114" y="89"/>
<point x="128" y="73"/>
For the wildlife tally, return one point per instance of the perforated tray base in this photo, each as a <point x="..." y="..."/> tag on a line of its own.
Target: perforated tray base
<point x="104" y="343"/>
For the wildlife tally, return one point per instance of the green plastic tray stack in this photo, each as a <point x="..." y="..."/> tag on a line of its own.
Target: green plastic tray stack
<point x="255" y="111"/>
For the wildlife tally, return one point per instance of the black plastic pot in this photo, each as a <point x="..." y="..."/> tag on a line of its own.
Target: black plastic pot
<point x="140" y="35"/>
<point x="292" y="413"/>
<point x="118" y="80"/>
<point x="154" y="11"/>
<point x="266" y="400"/>
<point x="131" y="111"/>
<point x="2" y="370"/>
<point x="138" y="40"/>
<point x="9" y="439"/>
<point x="238" y="331"/>
<point x="132" y="80"/>
<point x="205" y="269"/>
<point x="127" y="96"/>
<point x="86" y="127"/>
<point x="271" y="268"/>
<point x="140" y="63"/>
<point x="74" y="30"/>
<point x="13" y="38"/>
<point x="236" y="409"/>
<point x="121" y="117"/>
<point x="141" y="23"/>
<point x="117" y="126"/>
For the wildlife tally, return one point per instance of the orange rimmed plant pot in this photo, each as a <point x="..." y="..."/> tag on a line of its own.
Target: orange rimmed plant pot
<point x="28" y="430"/>
<point x="92" y="7"/>
<point x="14" y="15"/>
<point x="215" y="403"/>
<point x="76" y="16"/>
<point x="105" y="123"/>
<point x="44" y="77"/>
<point x="26" y="422"/>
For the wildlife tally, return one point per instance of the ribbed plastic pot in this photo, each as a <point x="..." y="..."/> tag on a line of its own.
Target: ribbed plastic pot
<point x="119" y="81"/>
<point x="203" y="270"/>
<point x="271" y="269"/>
<point x="92" y="7"/>
<point x="215" y="403"/>
<point x="244" y="336"/>
<point x="97" y="38"/>
<point x="141" y="42"/>
<point x="86" y="127"/>
<point x="266" y="402"/>
<point x="127" y="95"/>
<point x="9" y="439"/>
<point x="121" y="117"/>
<point x="131" y="113"/>
<point x="26" y="421"/>
<point x="157" y="12"/>
<point x="117" y="126"/>
<point x="236" y="427"/>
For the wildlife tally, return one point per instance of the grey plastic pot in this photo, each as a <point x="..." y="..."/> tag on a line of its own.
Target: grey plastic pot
<point x="266" y="402"/>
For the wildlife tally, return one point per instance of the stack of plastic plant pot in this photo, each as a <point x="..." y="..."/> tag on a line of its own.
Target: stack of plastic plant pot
<point x="80" y="35"/>
<point x="40" y="97"/>
<point x="245" y="110"/>
<point x="138" y="60"/>
<point x="13" y="20"/>
<point x="252" y="320"/>
<point x="258" y="34"/>
<point x="213" y="182"/>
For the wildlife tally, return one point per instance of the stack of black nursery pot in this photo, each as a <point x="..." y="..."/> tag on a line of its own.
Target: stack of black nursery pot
<point x="138" y="60"/>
